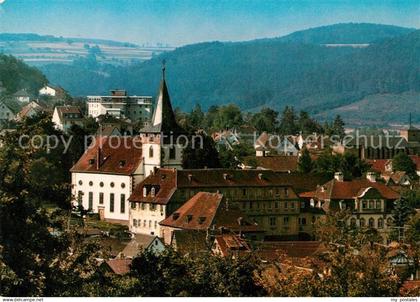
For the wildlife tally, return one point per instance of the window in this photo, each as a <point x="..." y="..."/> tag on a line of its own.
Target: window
<point x="243" y="192"/>
<point x="144" y="223"/>
<point x="101" y="184"/>
<point x="90" y="183"/>
<point x="101" y="198"/>
<point x="151" y="152"/>
<point x="273" y="221"/>
<point x="122" y="204"/>
<point x="80" y="198"/>
<point x="90" y="200"/>
<point x="161" y="208"/>
<point x="292" y="205"/>
<point x="152" y="207"/>
<point x="353" y="222"/>
<point x="371" y="204"/>
<point x="112" y="184"/>
<point x="285" y="204"/>
<point x="303" y="221"/>
<point x="150" y="224"/>
<point x="371" y="222"/>
<point x="389" y="221"/>
<point x="122" y="185"/>
<point x="378" y="204"/>
<point x="80" y="182"/>
<point x="143" y="206"/>
<point x="276" y="205"/>
<point x="133" y="205"/>
<point x="286" y="192"/>
<point x="155" y="224"/>
<point x="144" y="191"/>
<point x="152" y="192"/>
<point x="286" y="220"/>
<point x="364" y="204"/>
<point x="135" y="222"/>
<point x="302" y="205"/>
<point x="362" y="222"/>
<point x="172" y="153"/>
<point x="111" y="202"/>
<point x="380" y="223"/>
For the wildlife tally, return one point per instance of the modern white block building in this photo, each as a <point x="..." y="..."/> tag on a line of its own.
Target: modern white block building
<point x="119" y="104"/>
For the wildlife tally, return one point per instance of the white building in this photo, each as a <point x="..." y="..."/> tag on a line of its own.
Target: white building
<point x="51" y="90"/>
<point x="120" y="105"/>
<point x="22" y="96"/>
<point x="6" y="114"/>
<point x="104" y="177"/>
<point x="66" y="116"/>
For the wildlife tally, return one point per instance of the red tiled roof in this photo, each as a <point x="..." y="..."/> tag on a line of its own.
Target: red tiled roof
<point x="349" y="190"/>
<point x="118" y="155"/>
<point x="416" y="160"/>
<point x="272" y="250"/>
<point x="197" y="213"/>
<point x="280" y="163"/>
<point x="209" y="209"/>
<point x="119" y="266"/>
<point x="378" y="165"/>
<point x="232" y="244"/>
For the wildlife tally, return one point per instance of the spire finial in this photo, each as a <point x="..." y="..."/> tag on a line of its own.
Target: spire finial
<point x="163" y="68"/>
<point x="409" y="121"/>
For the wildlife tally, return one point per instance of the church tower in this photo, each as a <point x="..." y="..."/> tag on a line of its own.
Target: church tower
<point x="162" y="138"/>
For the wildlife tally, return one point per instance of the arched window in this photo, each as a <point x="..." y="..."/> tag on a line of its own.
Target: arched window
<point x="150" y="224"/>
<point x="371" y="222"/>
<point x="380" y="223"/>
<point x="144" y="191"/>
<point x="172" y="152"/>
<point x="135" y="222"/>
<point x="151" y="152"/>
<point x="389" y="221"/>
<point x="353" y="222"/>
<point x="152" y="192"/>
<point x="362" y="222"/>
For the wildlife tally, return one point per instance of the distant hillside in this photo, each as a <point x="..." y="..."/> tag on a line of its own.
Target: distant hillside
<point x="346" y="33"/>
<point x="270" y="72"/>
<point x="39" y="50"/>
<point x="16" y="75"/>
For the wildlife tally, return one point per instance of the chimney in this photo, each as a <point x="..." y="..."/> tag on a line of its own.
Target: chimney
<point x="98" y="158"/>
<point x="371" y="176"/>
<point x="338" y="176"/>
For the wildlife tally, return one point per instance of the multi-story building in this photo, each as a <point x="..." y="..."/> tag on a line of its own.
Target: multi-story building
<point x="104" y="177"/>
<point x="119" y="104"/>
<point x="66" y="116"/>
<point x="369" y="203"/>
<point x="264" y="196"/>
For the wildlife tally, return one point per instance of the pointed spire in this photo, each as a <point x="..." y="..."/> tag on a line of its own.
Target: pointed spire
<point x="163" y="69"/>
<point x="409" y="121"/>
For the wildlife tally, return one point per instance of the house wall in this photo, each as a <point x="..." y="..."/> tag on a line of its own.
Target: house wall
<point x="145" y="218"/>
<point x="46" y="90"/>
<point x="81" y="182"/>
<point x="5" y="113"/>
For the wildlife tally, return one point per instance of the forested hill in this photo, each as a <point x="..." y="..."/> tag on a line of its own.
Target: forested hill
<point x="16" y="75"/>
<point x="269" y="72"/>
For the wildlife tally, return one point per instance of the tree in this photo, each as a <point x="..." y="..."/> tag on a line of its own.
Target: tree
<point x="338" y="127"/>
<point x="228" y="117"/>
<point x="307" y="125"/>
<point x="400" y="216"/>
<point x="402" y="162"/>
<point x="197" y="156"/>
<point x="305" y="164"/>
<point x="265" y="120"/>
<point x="196" y="119"/>
<point x="288" y="122"/>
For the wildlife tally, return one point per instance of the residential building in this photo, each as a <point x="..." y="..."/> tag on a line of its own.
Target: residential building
<point x="142" y="242"/>
<point x="210" y="213"/>
<point x="265" y="196"/>
<point x="6" y="114"/>
<point x="120" y="105"/>
<point x="369" y="202"/>
<point x="53" y="91"/>
<point x="278" y="163"/>
<point x="66" y="116"/>
<point x="269" y="144"/>
<point x="230" y="245"/>
<point x="116" y="266"/>
<point x="105" y="175"/>
<point x="31" y="109"/>
<point x="22" y="96"/>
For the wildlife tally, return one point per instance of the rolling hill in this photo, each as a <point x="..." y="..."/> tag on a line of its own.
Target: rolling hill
<point x="294" y="70"/>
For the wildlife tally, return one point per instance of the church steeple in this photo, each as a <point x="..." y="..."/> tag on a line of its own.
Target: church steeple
<point x="163" y="119"/>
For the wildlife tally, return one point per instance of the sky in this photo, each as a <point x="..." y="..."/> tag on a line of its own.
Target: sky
<point x="180" y="22"/>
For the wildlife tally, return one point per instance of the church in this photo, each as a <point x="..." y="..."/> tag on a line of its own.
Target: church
<point x="105" y="175"/>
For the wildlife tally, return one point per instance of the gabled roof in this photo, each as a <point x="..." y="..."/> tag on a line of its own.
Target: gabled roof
<point x="335" y="189"/>
<point x="378" y="165"/>
<point x="64" y="110"/>
<point x="163" y="120"/>
<point x="209" y="210"/>
<point x="139" y="242"/>
<point x="280" y="163"/>
<point x="119" y="266"/>
<point x="115" y="155"/>
<point x="231" y="244"/>
<point x="22" y="93"/>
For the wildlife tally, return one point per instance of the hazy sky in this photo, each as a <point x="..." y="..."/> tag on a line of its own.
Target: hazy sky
<point x="180" y="22"/>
